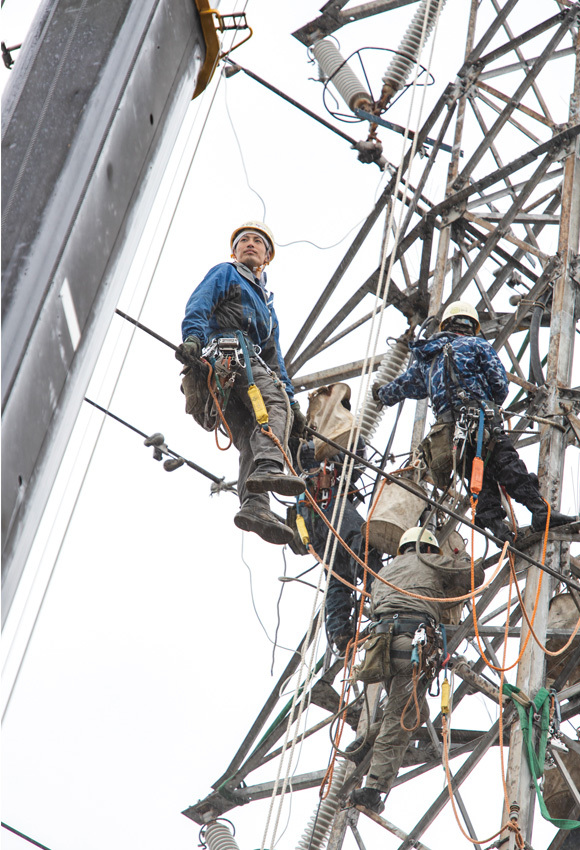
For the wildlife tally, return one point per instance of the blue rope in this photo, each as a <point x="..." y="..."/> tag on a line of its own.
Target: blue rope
<point x="480" y="433"/>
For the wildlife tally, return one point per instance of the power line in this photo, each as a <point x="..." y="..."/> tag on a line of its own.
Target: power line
<point x="219" y="481"/>
<point x="26" y="837"/>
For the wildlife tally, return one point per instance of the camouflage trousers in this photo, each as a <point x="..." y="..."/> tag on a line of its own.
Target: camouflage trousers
<point x="392" y="740"/>
<point x="503" y="466"/>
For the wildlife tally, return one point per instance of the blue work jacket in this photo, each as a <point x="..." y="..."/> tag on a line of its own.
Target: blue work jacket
<point x="478" y="369"/>
<point x="231" y="297"/>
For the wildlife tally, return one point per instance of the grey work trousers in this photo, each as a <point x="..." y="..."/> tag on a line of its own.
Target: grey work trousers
<point x="252" y="444"/>
<point x="393" y="740"/>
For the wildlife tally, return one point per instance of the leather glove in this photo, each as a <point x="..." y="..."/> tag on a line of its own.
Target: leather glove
<point x="375" y="391"/>
<point x="299" y="422"/>
<point x="189" y="350"/>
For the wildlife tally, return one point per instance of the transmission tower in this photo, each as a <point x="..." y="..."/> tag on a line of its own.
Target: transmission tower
<point x="512" y="184"/>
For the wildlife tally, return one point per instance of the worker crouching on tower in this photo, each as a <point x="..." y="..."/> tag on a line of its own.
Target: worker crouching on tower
<point x="231" y="323"/>
<point x="466" y="382"/>
<point x="406" y="622"/>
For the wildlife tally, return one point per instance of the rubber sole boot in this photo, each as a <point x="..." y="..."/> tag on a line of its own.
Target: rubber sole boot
<point x="358" y="750"/>
<point x="269" y="479"/>
<point x="556" y="518"/>
<point x="265" y="524"/>
<point x="370" y="798"/>
<point x="498" y="528"/>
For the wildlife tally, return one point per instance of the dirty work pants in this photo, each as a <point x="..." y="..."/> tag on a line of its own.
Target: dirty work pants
<point x="504" y="467"/>
<point x="252" y="444"/>
<point x="340" y="600"/>
<point x="393" y="740"/>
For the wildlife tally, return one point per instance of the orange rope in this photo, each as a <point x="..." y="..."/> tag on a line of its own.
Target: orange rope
<point x="513" y="579"/>
<point x="534" y="635"/>
<point x="352" y="646"/>
<point x="327" y="779"/>
<point x="514" y="827"/>
<point x="313" y="504"/>
<point x="415" y="677"/>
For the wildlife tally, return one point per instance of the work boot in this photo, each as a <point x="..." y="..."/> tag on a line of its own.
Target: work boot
<point x="497" y="527"/>
<point x="357" y="750"/>
<point x="540" y="514"/>
<point x="370" y="798"/>
<point x="263" y="523"/>
<point x="341" y="642"/>
<point x="270" y="477"/>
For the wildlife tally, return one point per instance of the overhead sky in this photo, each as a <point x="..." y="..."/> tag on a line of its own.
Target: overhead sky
<point x="153" y="649"/>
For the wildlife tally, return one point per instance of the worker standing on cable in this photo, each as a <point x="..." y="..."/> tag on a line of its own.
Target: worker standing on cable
<point x="408" y="623"/>
<point x="467" y="383"/>
<point x="231" y="323"/>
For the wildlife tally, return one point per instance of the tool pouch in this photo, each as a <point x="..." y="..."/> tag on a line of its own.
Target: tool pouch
<point x="437" y="447"/>
<point x="376" y="666"/>
<point x="198" y="400"/>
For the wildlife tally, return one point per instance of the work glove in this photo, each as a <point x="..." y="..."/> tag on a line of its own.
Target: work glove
<point x="299" y="423"/>
<point x="189" y="350"/>
<point x="375" y="392"/>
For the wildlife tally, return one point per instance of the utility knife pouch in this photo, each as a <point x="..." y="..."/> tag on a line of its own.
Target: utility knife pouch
<point x="376" y="664"/>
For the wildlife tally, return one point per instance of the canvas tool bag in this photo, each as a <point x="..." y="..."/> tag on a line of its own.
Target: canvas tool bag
<point x="437" y="447"/>
<point x="198" y="400"/>
<point x="376" y="665"/>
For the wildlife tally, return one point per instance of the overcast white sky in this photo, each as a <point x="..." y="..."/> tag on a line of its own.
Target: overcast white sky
<point x="148" y="662"/>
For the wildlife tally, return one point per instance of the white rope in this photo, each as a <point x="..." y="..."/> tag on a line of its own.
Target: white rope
<point x="345" y="480"/>
<point x="383" y="284"/>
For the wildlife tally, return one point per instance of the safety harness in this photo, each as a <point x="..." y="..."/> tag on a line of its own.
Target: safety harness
<point x="475" y="419"/>
<point x="230" y="351"/>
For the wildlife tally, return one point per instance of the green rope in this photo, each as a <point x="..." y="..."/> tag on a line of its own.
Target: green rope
<point x="540" y="706"/>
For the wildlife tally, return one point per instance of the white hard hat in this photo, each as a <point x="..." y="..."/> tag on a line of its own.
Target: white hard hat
<point x="423" y="535"/>
<point x="260" y="228"/>
<point x="460" y="310"/>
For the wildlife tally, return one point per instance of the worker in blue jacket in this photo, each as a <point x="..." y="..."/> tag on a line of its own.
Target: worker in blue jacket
<point x="461" y="372"/>
<point x="232" y="305"/>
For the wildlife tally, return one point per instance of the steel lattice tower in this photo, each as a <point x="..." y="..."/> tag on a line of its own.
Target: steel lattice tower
<point x="513" y="180"/>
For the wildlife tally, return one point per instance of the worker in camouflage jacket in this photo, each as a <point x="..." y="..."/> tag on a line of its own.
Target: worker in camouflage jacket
<point x="420" y="568"/>
<point x="458" y="370"/>
<point x="233" y="298"/>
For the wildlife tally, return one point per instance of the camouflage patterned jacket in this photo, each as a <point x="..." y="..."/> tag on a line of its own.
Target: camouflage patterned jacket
<point x="478" y="369"/>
